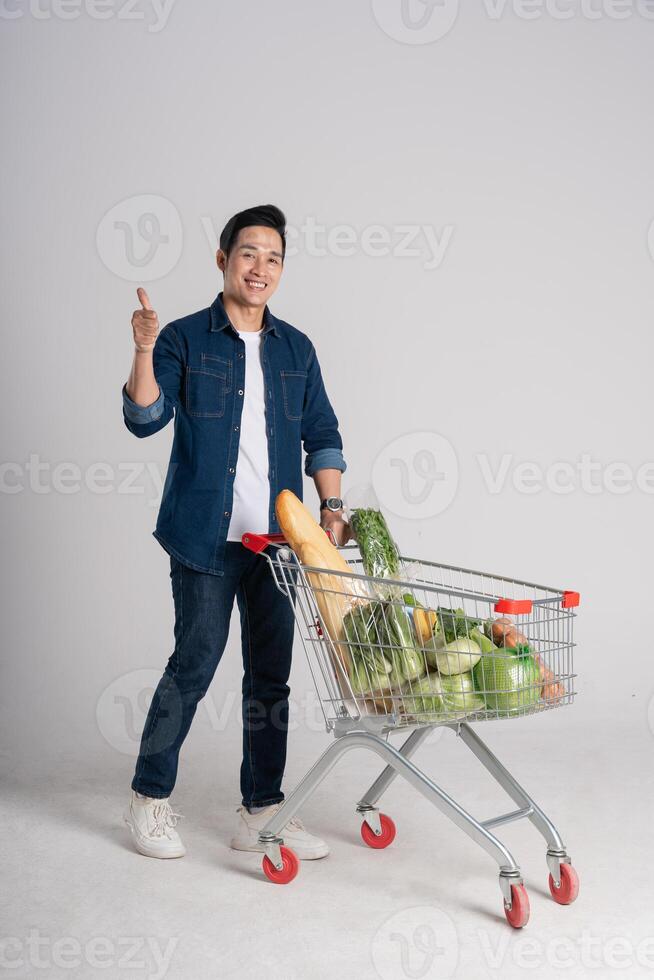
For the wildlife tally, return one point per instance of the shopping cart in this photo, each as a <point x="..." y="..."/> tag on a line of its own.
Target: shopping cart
<point x="408" y="659"/>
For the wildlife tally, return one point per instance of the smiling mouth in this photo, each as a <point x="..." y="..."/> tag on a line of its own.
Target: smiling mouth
<point x="258" y="284"/>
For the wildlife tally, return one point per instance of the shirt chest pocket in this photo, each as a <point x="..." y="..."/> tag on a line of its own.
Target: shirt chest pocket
<point x="294" y="385"/>
<point x="207" y="387"/>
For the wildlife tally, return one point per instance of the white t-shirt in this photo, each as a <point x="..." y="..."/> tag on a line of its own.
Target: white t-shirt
<point x="251" y="486"/>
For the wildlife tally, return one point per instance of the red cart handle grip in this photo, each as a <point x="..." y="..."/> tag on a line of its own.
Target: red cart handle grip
<point x="259" y="542"/>
<point x="517" y="607"/>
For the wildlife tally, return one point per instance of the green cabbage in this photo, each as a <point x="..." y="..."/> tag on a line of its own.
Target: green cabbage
<point x="459" y="693"/>
<point x="509" y="681"/>
<point x="424" y="696"/>
<point x="452" y="658"/>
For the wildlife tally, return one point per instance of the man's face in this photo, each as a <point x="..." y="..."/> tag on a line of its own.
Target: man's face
<point x="254" y="265"/>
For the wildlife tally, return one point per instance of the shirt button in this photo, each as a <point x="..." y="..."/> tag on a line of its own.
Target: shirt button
<point x="226" y="513"/>
<point x="240" y="391"/>
<point x="235" y="428"/>
<point x="231" y="469"/>
<point x="241" y="355"/>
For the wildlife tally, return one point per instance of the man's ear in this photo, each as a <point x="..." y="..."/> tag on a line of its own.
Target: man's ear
<point x="221" y="260"/>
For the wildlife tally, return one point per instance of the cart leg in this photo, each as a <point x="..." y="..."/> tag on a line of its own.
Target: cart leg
<point x="385" y="778"/>
<point x="270" y="835"/>
<point x="556" y="851"/>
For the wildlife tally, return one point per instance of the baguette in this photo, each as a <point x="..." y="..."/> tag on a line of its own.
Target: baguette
<point x="335" y="595"/>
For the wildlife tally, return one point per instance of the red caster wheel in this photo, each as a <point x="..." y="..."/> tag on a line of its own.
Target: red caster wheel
<point x="568" y="890"/>
<point x="518" y="915"/>
<point x="291" y="866"/>
<point x="386" y="837"/>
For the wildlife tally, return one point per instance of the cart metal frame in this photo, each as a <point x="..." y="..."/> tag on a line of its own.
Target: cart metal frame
<point x="354" y="729"/>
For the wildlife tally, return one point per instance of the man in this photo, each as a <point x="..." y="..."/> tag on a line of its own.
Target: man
<point x="246" y="392"/>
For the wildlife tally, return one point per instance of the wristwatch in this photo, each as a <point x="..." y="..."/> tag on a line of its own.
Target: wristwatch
<point x="331" y="503"/>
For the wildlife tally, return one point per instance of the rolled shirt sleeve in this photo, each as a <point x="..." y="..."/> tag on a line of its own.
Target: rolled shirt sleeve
<point x="324" y="459"/>
<point x="143" y="413"/>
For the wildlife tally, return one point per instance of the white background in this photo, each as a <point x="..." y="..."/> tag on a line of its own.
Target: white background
<point x="529" y="138"/>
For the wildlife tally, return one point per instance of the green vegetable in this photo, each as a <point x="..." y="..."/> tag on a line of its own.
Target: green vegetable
<point x="459" y="693"/>
<point x="408" y="665"/>
<point x="485" y="644"/>
<point x="364" y="638"/>
<point x="454" y="623"/>
<point x="509" y="680"/>
<point x="399" y="645"/>
<point x="366" y="682"/>
<point x="379" y="552"/>
<point x="382" y="652"/>
<point x="453" y="658"/>
<point x="424" y="695"/>
<point x="441" y="698"/>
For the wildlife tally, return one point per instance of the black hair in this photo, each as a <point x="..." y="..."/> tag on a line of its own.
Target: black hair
<point x="263" y="214"/>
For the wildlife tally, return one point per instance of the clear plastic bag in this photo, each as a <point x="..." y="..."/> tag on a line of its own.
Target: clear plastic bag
<point x="379" y="553"/>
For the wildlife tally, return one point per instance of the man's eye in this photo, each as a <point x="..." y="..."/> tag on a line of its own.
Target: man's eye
<point x="275" y="261"/>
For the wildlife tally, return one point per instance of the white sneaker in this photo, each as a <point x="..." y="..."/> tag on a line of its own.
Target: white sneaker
<point x="306" y="846"/>
<point x="152" y="823"/>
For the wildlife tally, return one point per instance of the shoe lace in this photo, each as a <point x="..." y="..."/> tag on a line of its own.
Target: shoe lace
<point x="164" y="817"/>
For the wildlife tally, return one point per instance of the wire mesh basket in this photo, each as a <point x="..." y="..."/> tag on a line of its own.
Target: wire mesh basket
<point x="436" y="645"/>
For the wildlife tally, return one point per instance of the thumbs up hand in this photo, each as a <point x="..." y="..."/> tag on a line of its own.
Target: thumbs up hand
<point x="145" y="323"/>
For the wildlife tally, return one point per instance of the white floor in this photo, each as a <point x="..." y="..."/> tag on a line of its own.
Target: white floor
<point x="82" y="903"/>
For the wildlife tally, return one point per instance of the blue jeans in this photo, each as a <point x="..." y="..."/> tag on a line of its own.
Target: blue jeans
<point x="203" y="606"/>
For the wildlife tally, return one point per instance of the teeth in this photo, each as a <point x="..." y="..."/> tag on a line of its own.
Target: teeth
<point x="256" y="283"/>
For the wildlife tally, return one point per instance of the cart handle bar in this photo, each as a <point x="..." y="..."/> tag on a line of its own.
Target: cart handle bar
<point x="259" y="542"/>
<point x="517" y="607"/>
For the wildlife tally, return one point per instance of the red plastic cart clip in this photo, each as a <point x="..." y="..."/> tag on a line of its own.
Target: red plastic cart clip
<point x="259" y="542"/>
<point x="570" y="599"/>
<point x="517" y="607"/>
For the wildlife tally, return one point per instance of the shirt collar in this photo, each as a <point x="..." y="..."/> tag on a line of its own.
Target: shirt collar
<point x="220" y="320"/>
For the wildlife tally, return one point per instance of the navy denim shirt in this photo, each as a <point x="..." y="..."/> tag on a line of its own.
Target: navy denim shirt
<point x="199" y="364"/>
